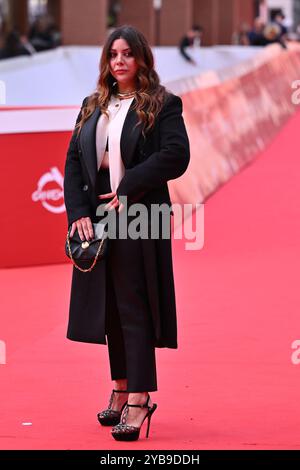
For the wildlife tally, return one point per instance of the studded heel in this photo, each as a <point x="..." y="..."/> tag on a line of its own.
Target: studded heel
<point x="125" y="432"/>
<point x="111" y="417"/>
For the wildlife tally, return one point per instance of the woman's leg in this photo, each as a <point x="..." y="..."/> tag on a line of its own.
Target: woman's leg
<point x="113" y="330"/>
<point x="127" y="273"/>
<point x="112" y="323"/>
<point x="135" y="415"/>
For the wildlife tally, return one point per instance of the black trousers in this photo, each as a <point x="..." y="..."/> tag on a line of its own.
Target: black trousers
<point x="129" y="327"/>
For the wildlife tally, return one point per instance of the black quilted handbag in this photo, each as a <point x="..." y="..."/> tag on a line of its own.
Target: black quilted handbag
<point x="82" y="251"/>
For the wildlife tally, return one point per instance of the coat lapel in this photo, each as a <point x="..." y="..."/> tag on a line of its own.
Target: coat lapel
<point x="130" y="136"/>
<point x="129" y="139"/>
<point x="87" y="139"/>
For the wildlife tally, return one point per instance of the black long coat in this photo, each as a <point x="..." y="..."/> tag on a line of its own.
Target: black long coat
<point x="149" y="163"/>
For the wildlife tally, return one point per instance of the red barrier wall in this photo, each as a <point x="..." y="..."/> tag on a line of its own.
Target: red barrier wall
<point x="33" y="214"/>
<point x="231" y="123"/>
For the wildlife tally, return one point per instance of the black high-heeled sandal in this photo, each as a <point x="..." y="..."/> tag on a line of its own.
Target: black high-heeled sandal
<point x="111" y="417"/>
<point x="125" y="432"/>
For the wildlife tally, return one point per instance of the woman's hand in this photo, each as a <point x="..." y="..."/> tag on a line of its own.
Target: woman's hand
<point x="84" y="227"/>
<point x="114" y="203"/>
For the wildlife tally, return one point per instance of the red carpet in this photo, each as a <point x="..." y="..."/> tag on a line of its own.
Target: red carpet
<point x="230" y="385"/>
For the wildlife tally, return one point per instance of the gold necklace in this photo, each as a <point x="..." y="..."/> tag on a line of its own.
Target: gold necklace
<point x="126" y="95"/>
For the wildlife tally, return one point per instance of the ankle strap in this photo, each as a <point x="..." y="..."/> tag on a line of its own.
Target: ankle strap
<point x="141" y="406"/>
<point x="120" y="391"/>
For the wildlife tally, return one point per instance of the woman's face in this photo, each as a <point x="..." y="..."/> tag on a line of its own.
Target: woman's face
<point x="123" y="65"/>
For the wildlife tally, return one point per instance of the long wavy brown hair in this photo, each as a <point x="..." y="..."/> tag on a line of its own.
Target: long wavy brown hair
<point x="150" y="94"/>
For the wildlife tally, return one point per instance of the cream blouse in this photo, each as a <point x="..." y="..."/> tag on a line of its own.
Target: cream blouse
<point x="111" y="128"/>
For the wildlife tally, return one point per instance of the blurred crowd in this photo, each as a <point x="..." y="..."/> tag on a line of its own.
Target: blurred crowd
<point x="43" y="35"/>
<point x="263" y="33"/>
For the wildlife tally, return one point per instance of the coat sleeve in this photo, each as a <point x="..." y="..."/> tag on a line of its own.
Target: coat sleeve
<point x="76" y="200"/>
<point x="168" y="163"/>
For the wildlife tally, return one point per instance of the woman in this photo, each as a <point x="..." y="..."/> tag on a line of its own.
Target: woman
<point x="129" y="140"/>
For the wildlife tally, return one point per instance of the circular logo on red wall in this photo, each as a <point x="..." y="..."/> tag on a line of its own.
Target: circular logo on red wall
<point x="50" y="191"/>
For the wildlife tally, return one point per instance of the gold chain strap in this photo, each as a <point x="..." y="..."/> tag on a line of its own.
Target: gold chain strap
<point x="95" y="259"/>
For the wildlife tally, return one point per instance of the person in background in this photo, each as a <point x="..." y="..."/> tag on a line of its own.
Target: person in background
<point x="194" y="35"/>
<point x="278" y="18"/>
<point x="272" y="35"/>
<point x="14" y="46"/>
<point x="43" y="34"/>
<point x="256" y="34"/>
<point x="241" y="37"/>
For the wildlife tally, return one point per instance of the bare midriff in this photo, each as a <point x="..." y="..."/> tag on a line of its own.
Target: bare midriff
<point x="105" y="161"/>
